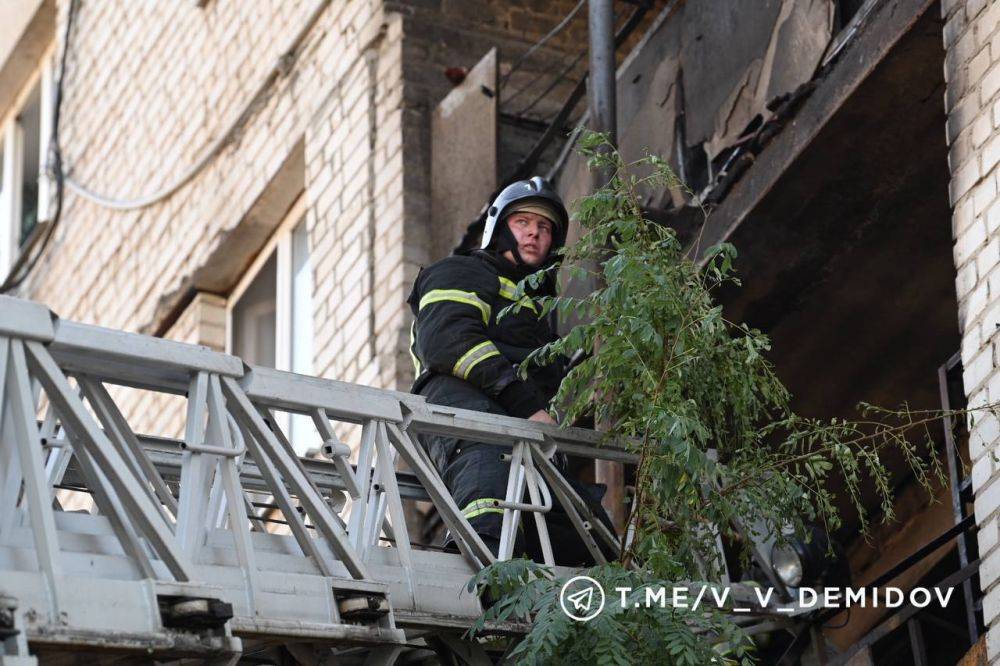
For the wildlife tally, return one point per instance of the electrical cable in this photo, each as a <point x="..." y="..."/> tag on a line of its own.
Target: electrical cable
<point x="280" y="68"/>
<point x="559" y="79"/>
<point x="541" y="42"/>
<point x="531" y="159"/>
<point x="530" y="84"/>
<point x="57" y="170"/>
<point x="21" y="271"/>
<point x="557" y="166"/>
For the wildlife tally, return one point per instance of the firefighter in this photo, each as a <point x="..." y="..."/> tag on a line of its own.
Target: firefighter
<point x="465" y="357"/>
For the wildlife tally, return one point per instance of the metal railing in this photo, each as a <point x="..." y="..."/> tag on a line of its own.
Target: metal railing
<point x="176" y="559"/>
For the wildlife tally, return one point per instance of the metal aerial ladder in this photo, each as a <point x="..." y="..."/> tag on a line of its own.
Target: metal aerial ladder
<point x="174" y="562"/>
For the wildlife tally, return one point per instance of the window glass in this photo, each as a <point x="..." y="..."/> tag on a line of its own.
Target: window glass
<point x="254" y="318"/>
<point x="30" y="122"/>
<point x="272" y="323"/>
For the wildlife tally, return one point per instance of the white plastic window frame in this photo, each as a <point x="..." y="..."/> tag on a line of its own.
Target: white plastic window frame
<point x="13" y="154"/>
<point x="294" y="309"/>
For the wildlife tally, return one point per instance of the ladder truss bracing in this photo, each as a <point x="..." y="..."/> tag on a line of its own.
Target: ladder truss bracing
<point x="174" y="557"/>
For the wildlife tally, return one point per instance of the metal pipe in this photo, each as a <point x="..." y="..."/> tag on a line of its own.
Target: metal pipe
<point x="213" y="450"/>
<point x="601" y="84"/>
<point x="603" y="118"/>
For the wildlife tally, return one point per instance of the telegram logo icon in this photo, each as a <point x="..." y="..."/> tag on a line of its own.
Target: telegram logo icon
<point x="582" y="598"/>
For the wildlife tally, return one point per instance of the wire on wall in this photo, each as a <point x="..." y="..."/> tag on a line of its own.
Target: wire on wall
<point x="280" y="68"/>
<point x="54" y="168"/>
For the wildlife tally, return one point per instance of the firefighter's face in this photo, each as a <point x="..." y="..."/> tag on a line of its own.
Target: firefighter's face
<point x="533" y="234"/>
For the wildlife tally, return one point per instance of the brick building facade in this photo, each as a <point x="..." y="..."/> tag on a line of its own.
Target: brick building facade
<point x="295" y="243"/>
<point x="329" y="105"/>
<point x="972" y="69"/>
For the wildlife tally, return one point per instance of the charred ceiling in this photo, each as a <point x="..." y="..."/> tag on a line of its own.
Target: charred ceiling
<point x="850" y="192"/>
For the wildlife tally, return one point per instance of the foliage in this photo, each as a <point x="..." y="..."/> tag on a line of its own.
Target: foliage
<point x="695" y="396"/>
<point x="622" y="634"/>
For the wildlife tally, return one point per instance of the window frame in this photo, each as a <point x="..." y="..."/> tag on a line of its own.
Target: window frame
<point x="13" y="140"/>
<point x="281" y="243"/>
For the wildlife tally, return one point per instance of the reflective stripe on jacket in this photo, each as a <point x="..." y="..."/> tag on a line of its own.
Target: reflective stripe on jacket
<point x="456" y="302"/>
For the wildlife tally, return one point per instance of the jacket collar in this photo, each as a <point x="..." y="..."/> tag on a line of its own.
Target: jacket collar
<point x="516" y="273"/>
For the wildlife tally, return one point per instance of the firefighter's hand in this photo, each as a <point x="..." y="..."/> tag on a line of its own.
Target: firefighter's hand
<point x="542" y="416"/>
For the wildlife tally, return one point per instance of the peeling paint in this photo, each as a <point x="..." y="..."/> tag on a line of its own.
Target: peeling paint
<point x="799" y="38"/>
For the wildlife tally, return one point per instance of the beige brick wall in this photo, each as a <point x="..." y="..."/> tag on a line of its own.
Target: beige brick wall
<point x="972" y="99"/>
<point x="151" y="85"/>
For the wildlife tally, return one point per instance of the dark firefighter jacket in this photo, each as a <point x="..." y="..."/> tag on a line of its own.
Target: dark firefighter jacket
<point x="466" y="358"/>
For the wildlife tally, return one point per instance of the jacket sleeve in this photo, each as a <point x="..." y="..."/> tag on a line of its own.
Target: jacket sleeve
<point x="451" y="301"/>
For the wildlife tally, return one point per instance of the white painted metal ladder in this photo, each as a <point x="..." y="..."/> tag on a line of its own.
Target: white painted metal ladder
<point x="174" y="560"/>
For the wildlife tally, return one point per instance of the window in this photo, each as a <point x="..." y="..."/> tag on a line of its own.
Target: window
<point x="255" y="316"/>
<point x="271" y="314"/>
<point x="30" y="126"/>
<point x="24" y="188"/>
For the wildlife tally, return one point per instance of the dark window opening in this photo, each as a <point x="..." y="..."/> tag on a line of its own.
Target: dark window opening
<point x="30" y="125"/>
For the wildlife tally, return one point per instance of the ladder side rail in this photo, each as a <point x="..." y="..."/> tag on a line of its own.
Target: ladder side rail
<point x="21" y="414"/>
<point x="301" y="394"/>
<point x="71" y="337"/>
<point x="92" y="438"/>
<point x="87" y="349"/>
<point x="151" y="361"/>
<point x="265" y="444"/>
<point x="430" y="419"/>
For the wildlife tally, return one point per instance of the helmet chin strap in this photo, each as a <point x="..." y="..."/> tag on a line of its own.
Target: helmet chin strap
<point x="506" y="241"/>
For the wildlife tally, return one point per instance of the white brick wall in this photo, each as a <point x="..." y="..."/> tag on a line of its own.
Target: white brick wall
<point x="972" y="100"/>
<point x="151" y="85"/>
